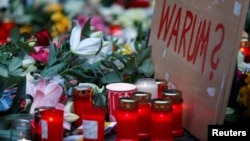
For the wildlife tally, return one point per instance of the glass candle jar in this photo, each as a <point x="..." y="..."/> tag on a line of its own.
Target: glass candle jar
<point x="127" y="120"/>
<point x="177" y="100"/>
<point x="93" y="124"/>
<point x="37" y="131"/>
<point x="82" y="98"/>
<point x="161" y="116"/>
<point x="147" y="85"/>
<point x="21" y="130"/>
<point x="162" y="85"/>
<point x="116" y="91"/>
<point x="144" y="114"/>
<point x="52" y="125"/>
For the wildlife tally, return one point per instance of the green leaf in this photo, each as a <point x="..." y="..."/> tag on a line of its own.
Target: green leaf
<point x="143" y="55"/>
<point x="25" y="47"/>
<point x="49" y="71"/>
<point x="100" y="100"/>
<point x="79" y="74"/>
<point x="52" y="54"/>
<point x="4" y="71"/>
<point x="15" y="63"/>
<point x="87" y="28"/>
<point x="111" y="77"/>
<point x="147" y="68"/>
<point x="130" y="68"/>
<point x="14" y="34"/>
<point x="16" y="72"/>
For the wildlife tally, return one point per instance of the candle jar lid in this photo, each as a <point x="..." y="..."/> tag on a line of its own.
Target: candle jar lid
<point x="142" y="97"/>
<point x="161" y="104"/>
<point x="38" y="112"/>
<point x="127" y="103"/>
<point x="173" y="94"/>
<point x="82" y="90"/>
<point x="161" y="82"/>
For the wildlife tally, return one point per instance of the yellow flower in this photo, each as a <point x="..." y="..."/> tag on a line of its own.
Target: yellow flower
<point x="126" y="50"/>
<point x="57" y="16"/>
<point x="25" y="29"/>
<point x="66" y="22"/>
<point x="59" y="28"/>
<point x="53" y="7"/>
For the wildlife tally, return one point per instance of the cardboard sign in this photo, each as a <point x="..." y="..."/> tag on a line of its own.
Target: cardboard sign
<point x="195" y="45"/>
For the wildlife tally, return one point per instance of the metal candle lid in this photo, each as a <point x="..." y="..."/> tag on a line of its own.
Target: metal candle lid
<point x="161" y="105"/>
<point x="39" y="109"/>
<point x="127" y="103"/>
<point x="161" y="82"/>
<point x="82" y="90"/>
<point x="142" y="97"/>
<point x="173" y="94"/>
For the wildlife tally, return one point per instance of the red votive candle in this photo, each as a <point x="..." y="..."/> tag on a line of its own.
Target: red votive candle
<point x="82" y="98"/>
<point x="52" y="125"/>
<point x="144" y="114"/>
<point x="37" y="131"/>
<point x="127" y="120"/>
<point x="176" y="97"/>
<point x="161" y="116"/>
<point x="162" y="85"/>
<point x="93" y="124"/>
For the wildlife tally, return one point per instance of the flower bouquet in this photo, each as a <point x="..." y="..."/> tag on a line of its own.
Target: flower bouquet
<point x="39" y="70"/>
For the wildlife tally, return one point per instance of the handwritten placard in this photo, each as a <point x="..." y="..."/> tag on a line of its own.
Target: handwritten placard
<point x="195" y="45"/>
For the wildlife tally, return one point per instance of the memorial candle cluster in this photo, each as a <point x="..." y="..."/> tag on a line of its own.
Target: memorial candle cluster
<point x="148" y="118"/>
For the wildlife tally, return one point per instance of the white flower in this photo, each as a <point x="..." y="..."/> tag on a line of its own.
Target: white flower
<point x="27" y="61"/>
<point x="85" y="48"/>
<point x="29" y="65"/>
<point x="88" y="47"/>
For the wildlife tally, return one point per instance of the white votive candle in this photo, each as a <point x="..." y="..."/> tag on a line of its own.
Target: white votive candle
<point x="23" y="139"/>
<point x="147" y="85"/>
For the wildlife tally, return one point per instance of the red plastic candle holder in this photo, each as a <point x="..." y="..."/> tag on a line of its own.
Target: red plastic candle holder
<point x="93" y="124"/>
<point x="37" y="131"/>
<point x="177" y="100"/>
<point x="52" y="125"/>
<point x="161" y="116"/>
<point x="82" y="98"/>
<point x="127" y="120"/>
<point x="144" y="114"/>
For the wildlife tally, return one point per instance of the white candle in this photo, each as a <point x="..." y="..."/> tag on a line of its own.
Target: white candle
<point x="147" y="85"/>
<point x="23" y="139"/>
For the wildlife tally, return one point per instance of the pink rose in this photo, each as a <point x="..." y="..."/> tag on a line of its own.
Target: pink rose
<point x="41" y="54"/>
